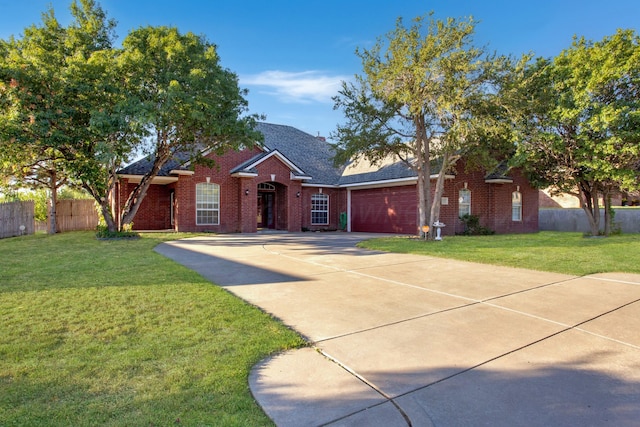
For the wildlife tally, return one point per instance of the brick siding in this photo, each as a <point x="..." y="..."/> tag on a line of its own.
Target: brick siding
<point x="238" y="211"/>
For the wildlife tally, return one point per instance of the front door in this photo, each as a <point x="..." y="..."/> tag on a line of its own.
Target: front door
<point x="266" y="218"/>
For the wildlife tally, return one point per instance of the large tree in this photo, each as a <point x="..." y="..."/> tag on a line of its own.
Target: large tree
<point x="180" y="100"/>
<point x="580" y="122"/>
<point x="81" y="108"/>
<point x="41" y="119"/>
<point x="426" y="92"/>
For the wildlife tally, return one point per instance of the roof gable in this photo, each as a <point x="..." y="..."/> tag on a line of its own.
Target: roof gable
<point x="248" y="167"/>
<point x="312" y="155"/>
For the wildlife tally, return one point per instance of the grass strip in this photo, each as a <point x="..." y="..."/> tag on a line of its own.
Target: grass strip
<point x="559" y="252"/>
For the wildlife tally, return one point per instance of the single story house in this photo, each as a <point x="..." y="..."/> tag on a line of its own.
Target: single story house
<point x="289" y="183"/>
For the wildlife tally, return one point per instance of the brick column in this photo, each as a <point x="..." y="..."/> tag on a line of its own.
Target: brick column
<point x="248" y="205"/>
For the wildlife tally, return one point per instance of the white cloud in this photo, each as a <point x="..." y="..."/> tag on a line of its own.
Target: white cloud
<point x="296" y="87"/>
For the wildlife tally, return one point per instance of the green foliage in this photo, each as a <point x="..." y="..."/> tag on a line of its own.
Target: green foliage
<point x="108" y="332"/>
<point x="103" y="232"/>
<point x="177" y="85"/>
<point x="74" y="108"/>
<point x="69" y="193"/>
<point x="39" y="197"/>
<point x="579" y="121"/>
<point x="46" y="106"/>
<point x="472" y="226"/>
<point x="425" y="92"/>
<point x="568" y="253"/>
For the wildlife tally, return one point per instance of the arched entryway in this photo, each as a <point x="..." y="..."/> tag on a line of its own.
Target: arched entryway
<point x="272" y="206"/>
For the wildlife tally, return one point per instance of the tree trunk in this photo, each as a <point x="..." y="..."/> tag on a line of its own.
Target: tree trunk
<point x="606" y="196"/>
<point x="448" y="160"/>
<point x="424" y="173"/>
<point x="109" y="219"/>
<point x="105" y="200"/>
<point x="591" y="207"/>
<point x="423" y="190"/>
<point x="437" y="197"/>
<point x="138" y="194"/>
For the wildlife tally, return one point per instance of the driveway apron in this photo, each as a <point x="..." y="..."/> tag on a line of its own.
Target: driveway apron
<point x="407" y="340"/>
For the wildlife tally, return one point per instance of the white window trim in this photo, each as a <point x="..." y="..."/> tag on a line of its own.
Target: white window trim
<point x="208" y="210"/>
<point x="324" y="197"/>
<point x="517" y="205"/>
<point x="460" y="204"/>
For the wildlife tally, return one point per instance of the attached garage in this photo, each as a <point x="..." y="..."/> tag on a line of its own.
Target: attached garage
<point x="291" y="176"/>
<point x="385" y="210"/>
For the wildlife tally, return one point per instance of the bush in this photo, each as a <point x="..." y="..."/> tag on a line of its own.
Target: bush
<point x="472" y="226"/>
<point x="102" y="232"/>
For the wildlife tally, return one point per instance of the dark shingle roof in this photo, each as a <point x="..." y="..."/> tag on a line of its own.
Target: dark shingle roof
<point x="499" y="173"/>
<point x="312" y="155"/>
<point x="142" y="166"/>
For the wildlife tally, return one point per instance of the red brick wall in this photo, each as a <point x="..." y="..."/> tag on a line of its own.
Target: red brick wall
<point x="287" y="205"/>
<point x="490" y="202"/>
<point x="232" y="197"/>
<point x="154" y="212"/>
<point x="337" y="204"/>
<point x="237" y="209"/>
<point x="246" y="214"/>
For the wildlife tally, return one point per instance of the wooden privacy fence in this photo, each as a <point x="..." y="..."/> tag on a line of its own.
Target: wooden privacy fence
<point x="16" y="219"/>
<point x="74" y="215"/>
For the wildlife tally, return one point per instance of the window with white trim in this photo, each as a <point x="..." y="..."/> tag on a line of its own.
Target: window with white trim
<point x="207" y="204"/>
<point x="319" y="209"/>
<point x="464" y="202"/>
<point x="516" y="206"/>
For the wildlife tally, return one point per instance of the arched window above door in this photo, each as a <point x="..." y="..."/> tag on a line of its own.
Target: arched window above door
<point x="265" y="186"/>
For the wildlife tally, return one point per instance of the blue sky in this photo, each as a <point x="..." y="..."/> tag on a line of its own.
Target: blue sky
<point x="292" y="55"/>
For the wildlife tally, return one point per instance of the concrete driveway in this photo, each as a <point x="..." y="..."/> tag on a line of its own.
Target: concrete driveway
<point x="400" y="340"/>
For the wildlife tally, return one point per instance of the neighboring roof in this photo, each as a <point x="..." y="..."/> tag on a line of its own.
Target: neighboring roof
<point x="389" y="169"/>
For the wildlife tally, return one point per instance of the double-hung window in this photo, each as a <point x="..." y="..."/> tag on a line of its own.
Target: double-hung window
<point x="516" y="206"/>
<point x="464" y="202"/>
<point x="207" y="204"/>
<point x="319" y="209"/>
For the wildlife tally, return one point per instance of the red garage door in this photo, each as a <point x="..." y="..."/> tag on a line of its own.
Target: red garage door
<point x="385" y="210"/>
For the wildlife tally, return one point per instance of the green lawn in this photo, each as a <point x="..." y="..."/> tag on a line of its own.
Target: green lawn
<point x="569" y="253"/>
<point x="110" y="333"/>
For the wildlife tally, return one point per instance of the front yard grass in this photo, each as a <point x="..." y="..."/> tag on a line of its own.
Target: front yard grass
<point x="111" y="333"/>
<point x="560" y="252"/>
